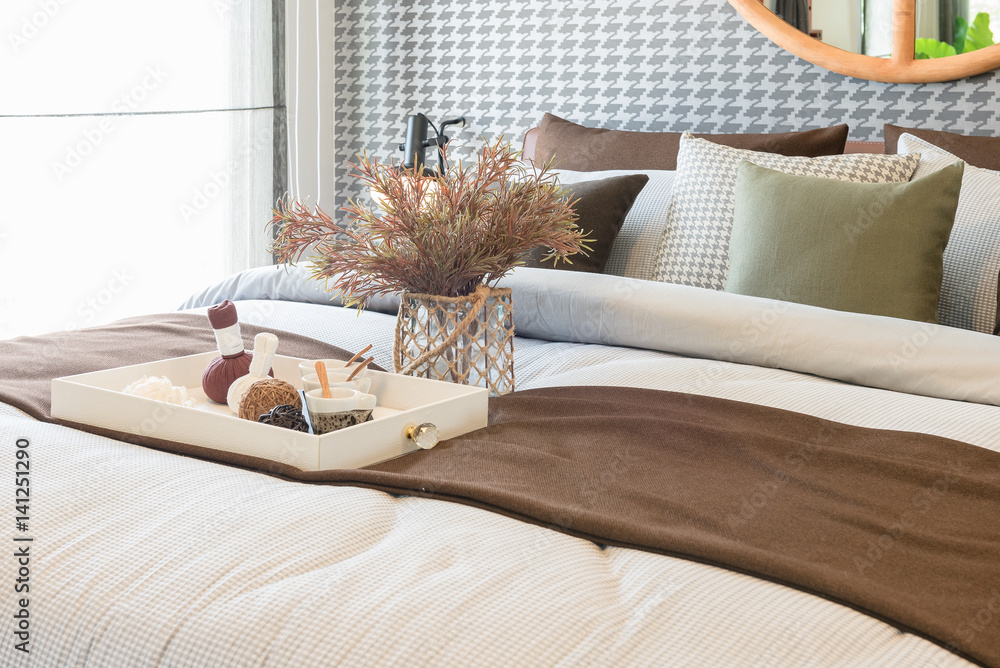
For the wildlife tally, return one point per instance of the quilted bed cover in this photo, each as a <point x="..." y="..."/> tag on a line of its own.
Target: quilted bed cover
<point x="143" y="558"/>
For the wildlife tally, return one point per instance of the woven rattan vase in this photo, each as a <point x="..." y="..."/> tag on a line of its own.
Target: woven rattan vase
<point x="467" y="340"/>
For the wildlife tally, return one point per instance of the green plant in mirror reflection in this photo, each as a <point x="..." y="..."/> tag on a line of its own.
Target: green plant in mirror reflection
<point x="968" y="37"/>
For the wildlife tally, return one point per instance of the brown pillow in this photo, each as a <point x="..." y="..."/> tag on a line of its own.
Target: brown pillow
<point x="977" y="151"/>
<point x="601" y="208"/>
<point x="581" y="149"/>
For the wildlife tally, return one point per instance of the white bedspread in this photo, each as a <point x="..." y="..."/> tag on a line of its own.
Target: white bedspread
<point x="143" y="558"/>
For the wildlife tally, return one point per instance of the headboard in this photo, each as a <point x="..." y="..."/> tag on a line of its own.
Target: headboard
<point x="531" y="138"/>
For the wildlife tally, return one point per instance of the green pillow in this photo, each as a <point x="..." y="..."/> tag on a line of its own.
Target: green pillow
<point x="863" y="247"/>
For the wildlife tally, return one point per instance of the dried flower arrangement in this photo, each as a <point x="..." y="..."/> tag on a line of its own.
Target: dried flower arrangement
<point x="442" y="235"/>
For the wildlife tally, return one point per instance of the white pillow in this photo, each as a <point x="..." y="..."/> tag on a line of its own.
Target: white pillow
<point x="637" y="245"/>
<point x="972" y="258"/>
<point x="695" y="246"/>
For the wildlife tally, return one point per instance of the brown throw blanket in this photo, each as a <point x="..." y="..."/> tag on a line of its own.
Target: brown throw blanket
<point x="903" y="526"/>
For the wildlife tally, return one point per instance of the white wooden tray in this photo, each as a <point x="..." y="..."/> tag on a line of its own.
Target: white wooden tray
<point x="403" y="401"/>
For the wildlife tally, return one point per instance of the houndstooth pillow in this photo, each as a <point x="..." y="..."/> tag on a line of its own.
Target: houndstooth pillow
<point x="694" y="249"/>
<point x="637" y="245"/>
<point x="972" y="257"/>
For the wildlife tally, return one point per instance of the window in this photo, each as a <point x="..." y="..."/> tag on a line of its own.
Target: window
<point x="139" y="152"/>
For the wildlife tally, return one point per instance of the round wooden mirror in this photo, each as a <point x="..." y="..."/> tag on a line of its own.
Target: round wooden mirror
<point x="901" y="67"/>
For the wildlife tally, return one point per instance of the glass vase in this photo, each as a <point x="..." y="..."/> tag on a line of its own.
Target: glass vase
<point x="467" y="340"/>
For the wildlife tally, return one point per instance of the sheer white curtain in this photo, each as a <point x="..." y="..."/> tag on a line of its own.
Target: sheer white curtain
<point x="137" y="154"/>
<point x="311" y="48"/>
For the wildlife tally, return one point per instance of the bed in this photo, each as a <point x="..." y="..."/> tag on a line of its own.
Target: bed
<point x="147" y="558"/>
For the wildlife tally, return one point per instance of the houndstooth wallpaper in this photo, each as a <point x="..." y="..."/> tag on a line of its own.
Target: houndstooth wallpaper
<point x="624" y="64"/>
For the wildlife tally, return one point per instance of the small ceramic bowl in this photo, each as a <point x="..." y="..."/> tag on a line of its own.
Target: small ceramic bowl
<point x="337" y="379"/>
<point x="344" y="408"/>
<point x="308" y="367"/>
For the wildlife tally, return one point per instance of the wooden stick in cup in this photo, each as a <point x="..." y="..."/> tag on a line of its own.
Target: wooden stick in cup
<point x="358" y="369"/>
<point x="359" y="354"/>
<point x="323" y="380"/>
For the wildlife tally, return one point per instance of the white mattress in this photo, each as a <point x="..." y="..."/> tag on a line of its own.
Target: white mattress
<point x="144" y="558"/>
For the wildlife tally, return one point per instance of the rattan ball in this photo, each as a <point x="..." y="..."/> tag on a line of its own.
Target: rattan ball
<point x="264" y="395"/>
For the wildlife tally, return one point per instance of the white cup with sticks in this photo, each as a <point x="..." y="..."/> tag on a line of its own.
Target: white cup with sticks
<point x="309" y="366"/>
<point x="337" y="378"/>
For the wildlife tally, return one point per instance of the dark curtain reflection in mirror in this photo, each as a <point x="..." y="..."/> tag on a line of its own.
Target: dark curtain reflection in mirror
<point x="794" y="12"/>
<point x="948" y="11"/>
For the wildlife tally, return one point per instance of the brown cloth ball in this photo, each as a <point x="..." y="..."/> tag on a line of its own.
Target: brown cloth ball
<point x="265" y="395"/>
